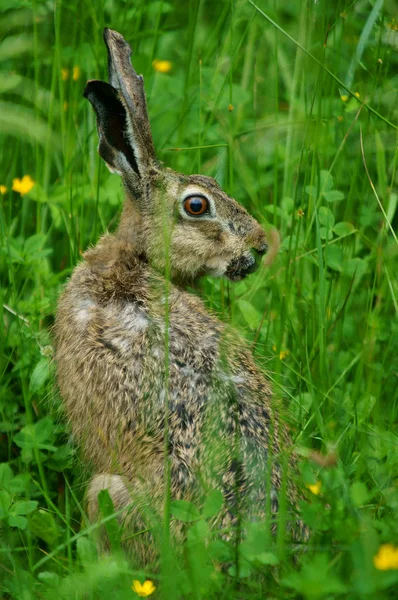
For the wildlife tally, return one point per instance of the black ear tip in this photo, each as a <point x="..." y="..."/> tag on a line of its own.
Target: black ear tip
<point x="90" y="87"/>
<point x="99" y="89"/>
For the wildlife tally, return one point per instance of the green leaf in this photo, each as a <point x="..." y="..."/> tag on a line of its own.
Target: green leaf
<point x="306" y="400"/>
<point x="274" y="210"/>
<point x="365" y="405"/>
<point x="20" y="484"/>
<point x="12" y="251"/>
<point x="334" y="257"/>
<point x="112" y="526"/>
<point x="24" y="507"/>
<point x="213" y="504"/>
<point x="86" y="551"/>
<point x="220" y="551"/>
<point x="8" y="427"/>
<point x="326" y="217"/>
<point x="40" y="375"/>
<point x="49" y="578"/>
<point x="359" y="493"/>
<point x="255" y="543"/>
<point x="287" y="205"/>
<point x="249" y="313"/>
<point x="359" y="266"/>
<point x="5" y="502"/>
<point x="267" y="558"/>
<point x="44" y="429"/>
<point x="334" y="196"/>
<point x="14" y="45"/>
<point x="42" y="524"/>
<point x="343" y="228"/>
<point x="325" y="233"/>
<point x="8" y="81"/>
<point x="244" y="570"/>
<point x="34" y="248"/>
<point x="38" y="435"/>
<point x="198" y="531"/>
<point x="17" y="521"/>
<point x="184" y="511"/>
<point x="6" y="475"/>
<point x="326" y="181"/>
<point x="315" y="579"/>
<point x="311" y="190"/>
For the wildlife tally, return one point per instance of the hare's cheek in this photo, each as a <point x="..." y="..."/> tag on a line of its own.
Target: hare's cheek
<point x="217" y="266"/>
<point x="232" y="244"/>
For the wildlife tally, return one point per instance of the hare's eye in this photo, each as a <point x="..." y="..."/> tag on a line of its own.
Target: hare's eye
<point x="196" y="205"/>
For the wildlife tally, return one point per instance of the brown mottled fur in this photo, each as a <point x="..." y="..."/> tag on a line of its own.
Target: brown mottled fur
<point x="131" y="345"/>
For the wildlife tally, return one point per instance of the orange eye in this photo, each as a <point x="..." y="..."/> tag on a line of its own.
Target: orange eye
<point x="196" y="205"/>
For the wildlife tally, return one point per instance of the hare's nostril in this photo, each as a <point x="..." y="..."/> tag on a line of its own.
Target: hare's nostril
<point x="251" y="265"/>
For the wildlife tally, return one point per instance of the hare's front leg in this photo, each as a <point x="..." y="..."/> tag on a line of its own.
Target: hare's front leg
<point x="139" y="517"/>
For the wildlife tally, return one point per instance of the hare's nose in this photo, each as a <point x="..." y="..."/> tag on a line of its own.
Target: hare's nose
<point x="251" y="264"/>
<point x="261" y="249"/>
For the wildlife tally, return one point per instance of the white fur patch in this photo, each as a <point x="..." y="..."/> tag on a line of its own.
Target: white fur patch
<point x="133" y="319"/>
<point x="83" y="311"/>
<point x="237" y="379"/>
<point x="217" y="266"/>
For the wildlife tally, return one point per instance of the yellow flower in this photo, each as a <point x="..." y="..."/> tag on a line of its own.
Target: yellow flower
<point x="64" y="74"/>
<point x="230" y="107"/>
<point x="393" y="25"/>
<point x="24" y="185"/>
<point x="162" y="66"/>
<point x="300" y="213"/>
<point x="283" y="354"/>
<point x="76" y="73"/>
<point x="143" y="589"/>
<point x="387" y="558"/>
<point x="357" y="94"/>
<point x="3" y="190"/>
<point x="315" y="488"/>
<point x="344" y="98"/>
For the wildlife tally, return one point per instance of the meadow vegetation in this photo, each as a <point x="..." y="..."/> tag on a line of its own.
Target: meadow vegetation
<point x="292" y="106"/>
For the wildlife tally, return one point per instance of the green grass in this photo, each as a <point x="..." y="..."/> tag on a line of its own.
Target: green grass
<point x="309" y="147"/>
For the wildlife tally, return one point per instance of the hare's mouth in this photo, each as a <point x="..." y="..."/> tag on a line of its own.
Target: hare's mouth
<point x="240" y="267"/>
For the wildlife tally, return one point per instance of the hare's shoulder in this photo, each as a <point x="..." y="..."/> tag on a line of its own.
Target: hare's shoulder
<point x="115" y="289"/>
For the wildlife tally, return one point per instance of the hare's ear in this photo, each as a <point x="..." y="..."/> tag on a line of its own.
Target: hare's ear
<point x="115" y="144"/>
<point x="123" y="77"/>
<point x="122" y="118"/>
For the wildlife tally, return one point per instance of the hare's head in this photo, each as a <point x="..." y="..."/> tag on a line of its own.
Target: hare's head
<point x="187" y="222"/>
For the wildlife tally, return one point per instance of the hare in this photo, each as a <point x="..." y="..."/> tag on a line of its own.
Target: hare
<point x="160" y="394"/>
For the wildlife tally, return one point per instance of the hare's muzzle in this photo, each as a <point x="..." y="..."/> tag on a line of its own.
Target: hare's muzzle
<point x="240" y="267"/>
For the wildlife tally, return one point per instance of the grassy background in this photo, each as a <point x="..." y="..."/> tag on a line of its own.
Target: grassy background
<point x="291" y="106"/>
